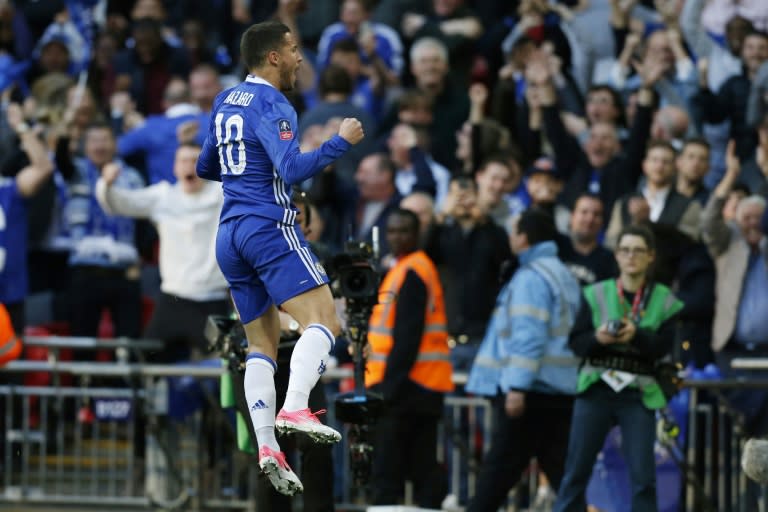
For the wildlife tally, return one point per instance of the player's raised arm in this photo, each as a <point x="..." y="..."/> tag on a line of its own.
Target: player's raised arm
<point x="276" y="132"/>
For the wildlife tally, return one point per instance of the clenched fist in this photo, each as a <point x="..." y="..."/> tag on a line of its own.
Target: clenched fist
<point x="110" y="172"/>
<point x="351" y="130"/>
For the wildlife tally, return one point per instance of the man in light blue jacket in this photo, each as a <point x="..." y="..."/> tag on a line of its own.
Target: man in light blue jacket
<point x="525" y="365"/>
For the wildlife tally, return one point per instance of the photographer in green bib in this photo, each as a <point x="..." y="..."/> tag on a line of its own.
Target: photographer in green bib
<point x="624" y="328"/>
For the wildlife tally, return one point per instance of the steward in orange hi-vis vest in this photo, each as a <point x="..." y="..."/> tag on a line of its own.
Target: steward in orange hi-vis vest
<point x="432" y="368"/>
<point x="10" y="345"/>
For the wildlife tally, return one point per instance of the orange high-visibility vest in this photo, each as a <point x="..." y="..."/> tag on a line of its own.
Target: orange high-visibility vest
<point x="432" y="368"/>
<point x="10" y="345"/>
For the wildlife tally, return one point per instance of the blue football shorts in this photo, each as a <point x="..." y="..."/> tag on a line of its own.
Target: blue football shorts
<point x="265" y="262"/>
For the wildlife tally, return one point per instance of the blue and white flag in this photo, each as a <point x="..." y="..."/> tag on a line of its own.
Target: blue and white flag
<point x="81" y="15"/>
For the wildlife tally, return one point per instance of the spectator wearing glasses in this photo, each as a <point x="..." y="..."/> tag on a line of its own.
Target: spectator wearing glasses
<point x="624" y="326"/>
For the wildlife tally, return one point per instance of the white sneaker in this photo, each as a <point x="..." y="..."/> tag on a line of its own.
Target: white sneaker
<point x="306" y="422"/>
<point x="280" y="474"/>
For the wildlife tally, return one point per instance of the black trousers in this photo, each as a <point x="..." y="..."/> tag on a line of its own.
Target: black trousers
<point x="405" y="448"/>
<point x="17" y="311"/>
<point x="179" y="323"/>
<point x="541" y="431"/>
<point x="316" y="459"/>
<point x="96" y="288"/>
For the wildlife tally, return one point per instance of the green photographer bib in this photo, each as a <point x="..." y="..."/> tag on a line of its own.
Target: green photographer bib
<point x="605" y="303"/>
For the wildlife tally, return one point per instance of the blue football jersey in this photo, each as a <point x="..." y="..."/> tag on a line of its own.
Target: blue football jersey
<point x="13" y="243"/>
<point x="253" y="148"/>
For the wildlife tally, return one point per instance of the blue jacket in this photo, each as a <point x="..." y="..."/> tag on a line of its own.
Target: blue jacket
<point x="526" y="343"/>
<point x="156" y="140"/>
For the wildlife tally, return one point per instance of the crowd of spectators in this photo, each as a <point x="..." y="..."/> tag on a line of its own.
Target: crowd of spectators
<point x="604" y="113"/>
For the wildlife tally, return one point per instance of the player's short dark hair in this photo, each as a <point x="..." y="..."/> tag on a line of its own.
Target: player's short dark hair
<point x="538" y="226"/>
<point x="259" y="40"/>
<point x="408" y="214"/>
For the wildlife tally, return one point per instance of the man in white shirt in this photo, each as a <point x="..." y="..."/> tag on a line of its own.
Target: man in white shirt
<point x="186" y="216"/>
<point x="658" y="201"/>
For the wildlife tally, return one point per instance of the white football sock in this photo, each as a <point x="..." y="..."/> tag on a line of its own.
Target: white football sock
<point x="261" y="397"/>
<point x="308" y="361"/>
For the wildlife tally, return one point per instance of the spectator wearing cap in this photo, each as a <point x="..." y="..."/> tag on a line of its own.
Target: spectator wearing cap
<point x="544" y="185"/>
<point x="61" y="48"/>
<point x="52" y="56"/>
<point x="658" y="201"/>
<point x="581" y="251"/>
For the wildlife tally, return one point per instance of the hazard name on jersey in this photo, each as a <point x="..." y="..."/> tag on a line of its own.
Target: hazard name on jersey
<point x="242" y="99"/>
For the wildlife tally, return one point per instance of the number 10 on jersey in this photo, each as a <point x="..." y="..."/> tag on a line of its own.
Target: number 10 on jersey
<point x="229" y="133"/>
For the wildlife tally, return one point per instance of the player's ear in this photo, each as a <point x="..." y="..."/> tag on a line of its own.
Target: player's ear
<point x="273" y="57"/>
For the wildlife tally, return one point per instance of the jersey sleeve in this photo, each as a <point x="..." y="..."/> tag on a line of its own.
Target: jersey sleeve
<point x="208" y="166"/>
<point x="276" y="130"/>
<point x="132" y="142"/>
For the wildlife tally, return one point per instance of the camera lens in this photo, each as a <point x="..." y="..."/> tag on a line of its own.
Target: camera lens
<point x="356" y="282"/>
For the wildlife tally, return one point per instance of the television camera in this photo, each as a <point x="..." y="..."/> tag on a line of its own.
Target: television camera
<point x="354" y="278"/>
